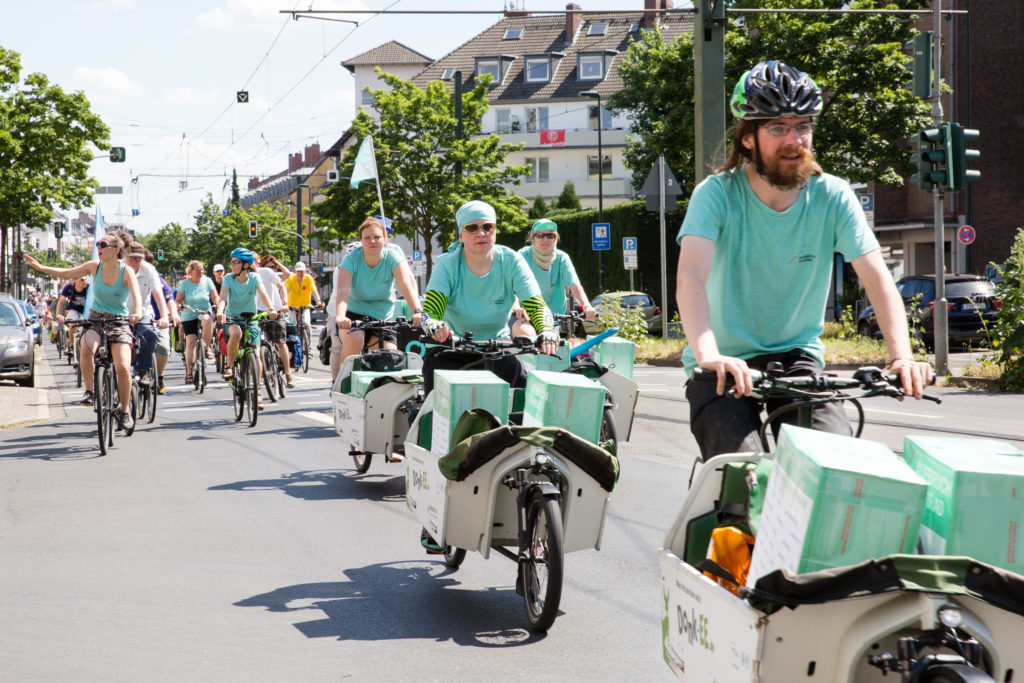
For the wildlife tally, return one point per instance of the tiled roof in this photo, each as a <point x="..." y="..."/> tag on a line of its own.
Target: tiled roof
<point x="544" y="35"/>
<point x="391" y="52"/>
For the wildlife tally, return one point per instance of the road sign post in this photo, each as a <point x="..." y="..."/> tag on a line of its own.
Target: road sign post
<point x="629" y="260"/>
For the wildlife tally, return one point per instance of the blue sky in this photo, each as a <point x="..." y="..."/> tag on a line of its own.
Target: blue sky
<point x="163" y="75"/>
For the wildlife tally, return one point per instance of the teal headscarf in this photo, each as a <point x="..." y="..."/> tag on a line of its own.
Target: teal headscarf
<point x="544" y="224"/>
<point x="474" y="211"/>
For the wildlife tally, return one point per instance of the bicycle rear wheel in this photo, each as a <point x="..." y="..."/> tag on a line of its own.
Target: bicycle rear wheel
<point x="237" y="385"/>
<point x="133" y="408"/>
<point x="362" y="461"/>
<point x="112" y="403"/>
<point x="282" y="377"/>
<point x="541" y="572"/>
<point x="269" y="370"/>
<point x="304" y="335"/>
<point x="151" y="393"/>
<point x="100" y="403"/>
<point x="252" y="383"/>
<point x="199" y="366"/>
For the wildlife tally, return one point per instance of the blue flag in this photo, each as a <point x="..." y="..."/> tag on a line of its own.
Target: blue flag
<point x="99" y="232"/>
<point x="366" y="163"/>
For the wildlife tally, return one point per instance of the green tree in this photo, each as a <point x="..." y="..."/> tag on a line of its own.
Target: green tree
<point x="216" y="235"/>
<point x="1008" y="335"/>
<point x="539" y="208"/>
<point x="45" y="139"/>
<point x="856" y="59"/>
<point x="236" y="195"/>
<point x="417" y="153"/>
<point x="172" y="239"/>
<point x="568" y="200"/>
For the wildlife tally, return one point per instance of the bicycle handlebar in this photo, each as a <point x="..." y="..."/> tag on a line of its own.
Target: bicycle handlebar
<point x="869" y="378"/>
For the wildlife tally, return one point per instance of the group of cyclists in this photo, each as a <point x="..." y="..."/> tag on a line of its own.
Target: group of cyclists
<point x="752" y="277"/>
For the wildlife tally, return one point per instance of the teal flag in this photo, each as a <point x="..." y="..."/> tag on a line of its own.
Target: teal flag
<point x="366" y="163"/>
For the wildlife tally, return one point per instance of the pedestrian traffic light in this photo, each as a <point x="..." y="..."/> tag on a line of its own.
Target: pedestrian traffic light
<point x="50" y="253"/>
<point x="921" y="65"/>
<point x="117" y="154"/>
<point x="58" y="230"/>
<point x="254" y="229"/>
<point x="960" y="156"/>
<point x="932" y="158"/>
<point x="159" y="254"/>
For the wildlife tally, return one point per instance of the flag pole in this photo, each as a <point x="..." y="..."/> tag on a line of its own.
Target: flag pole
<point x="380" y="196"/>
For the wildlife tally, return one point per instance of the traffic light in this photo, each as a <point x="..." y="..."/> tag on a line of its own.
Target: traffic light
<point x="932" y="158"/>
<point x="117" y="154"/>
<point x="921" y="64"/>
<point x="254" y="229"/>
<point x="960" y="156"/>
<point x="159" y="254"/>
<point x="58" y="230"/>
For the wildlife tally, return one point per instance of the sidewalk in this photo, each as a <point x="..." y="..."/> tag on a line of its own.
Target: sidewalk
<point x="22" y="405"/>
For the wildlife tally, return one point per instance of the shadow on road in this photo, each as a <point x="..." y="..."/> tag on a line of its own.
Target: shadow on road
<point x="81" y="445"/>
<point x="328" y="485"/>
<point x="399" y="600"/>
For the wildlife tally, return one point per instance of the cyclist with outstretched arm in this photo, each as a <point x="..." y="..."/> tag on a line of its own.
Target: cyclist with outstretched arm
<point x="755" y="263"/>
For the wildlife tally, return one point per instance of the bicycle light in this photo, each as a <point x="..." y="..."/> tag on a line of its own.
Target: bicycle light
<point x="542" y="458"/>
<point x="950" y="616"/>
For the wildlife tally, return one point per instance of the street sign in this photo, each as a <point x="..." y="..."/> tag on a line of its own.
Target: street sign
<point x="419" y="264"/>
<point x="651" y="190"/>
<point x="601" y="236"/>
<point x="867" y="202"/>
<point x="629" y="258"/>
<point x="965" y="234"/>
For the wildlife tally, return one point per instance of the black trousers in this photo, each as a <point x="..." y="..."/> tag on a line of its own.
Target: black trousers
<point x="507" y="368"/>
<point x="724" y="424"/>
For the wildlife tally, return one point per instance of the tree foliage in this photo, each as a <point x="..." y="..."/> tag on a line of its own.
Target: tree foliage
<point x="568" y="200"/>
<point x="417" y="155"/>
<point x="1008" y="335"/>
<point x="46" y="141"/>
<point x="857" y="60"/>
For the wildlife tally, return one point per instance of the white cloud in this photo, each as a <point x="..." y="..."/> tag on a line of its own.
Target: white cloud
<point x="244" y="15"/>
<point x="116" y="5"/>
<point x="105" y="83"/>
<point x="186" y="96"/>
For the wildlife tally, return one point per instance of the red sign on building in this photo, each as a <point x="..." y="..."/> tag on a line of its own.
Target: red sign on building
<point x="552" y="138"/>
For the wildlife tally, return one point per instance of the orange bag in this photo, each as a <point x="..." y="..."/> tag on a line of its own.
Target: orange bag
<point x="730" y="549"/>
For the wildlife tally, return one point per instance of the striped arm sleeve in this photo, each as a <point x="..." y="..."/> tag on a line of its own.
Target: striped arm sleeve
<point x="540" y="314"/>
<point x="434" y="305"/>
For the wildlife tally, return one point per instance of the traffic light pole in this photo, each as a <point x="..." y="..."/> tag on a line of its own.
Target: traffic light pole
<point x="940" y="314"/>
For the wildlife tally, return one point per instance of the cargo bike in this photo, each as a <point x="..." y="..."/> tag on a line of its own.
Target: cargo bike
<point x="529" y="493"/>
<point x="919" y="617"/>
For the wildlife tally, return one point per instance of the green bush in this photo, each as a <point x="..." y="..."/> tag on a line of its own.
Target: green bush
<point x="1008" y="335"/>
<point x="629" y="319"/>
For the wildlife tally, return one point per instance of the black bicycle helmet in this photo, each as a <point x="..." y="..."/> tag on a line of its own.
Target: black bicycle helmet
<point x="772" y="89"/>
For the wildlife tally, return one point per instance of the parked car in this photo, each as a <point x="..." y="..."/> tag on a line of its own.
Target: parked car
<point x="651" y="311"/>
<point x="17" y="357"/>
<point x="37" y="324"/>
<point x="970" y="299"/>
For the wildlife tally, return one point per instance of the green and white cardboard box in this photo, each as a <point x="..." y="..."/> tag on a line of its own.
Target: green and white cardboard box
<point x="361" y="379"/>
<point x="566" y="400"/>
<point x="835" y="500"/>
<point x="455" y="392"/>
<point x="542" y="361"/>
<point x="975" y="504"/>
<point x="616" y="353"/>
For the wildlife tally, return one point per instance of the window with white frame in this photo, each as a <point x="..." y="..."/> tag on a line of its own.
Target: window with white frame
<point x="368" y="99"/>
<point x="606" y="117"/>
<point x="489" y="66"/>
<point x="605" y="167"/>
<point x="536" y="119"/>
<point x="538" y="172"/>
<point x="504" y="120"/>
<point x="590" y="67"/>
<point x="538" y="69"/>
<point x="513" y="33"/>
<point x="597" y="29"/>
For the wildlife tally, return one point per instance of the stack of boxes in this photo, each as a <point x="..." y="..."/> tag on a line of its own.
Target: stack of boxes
<point x="566" y="400"/>
<point x="457" y="391"/>
<point x="616" y="353"/>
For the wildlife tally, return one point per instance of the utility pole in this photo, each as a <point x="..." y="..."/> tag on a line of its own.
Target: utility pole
<point x="940" y="326"/>
<point x="709" y="86"/>
<point x="298" y="220"/>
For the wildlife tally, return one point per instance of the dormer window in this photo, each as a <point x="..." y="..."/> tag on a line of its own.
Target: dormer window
<point x="513" y="33"/>
<point x="447" y="74"/>
<point x="634" y="27"/>
<point x="538" y="70"/>
<point x="591" y="67"/>
<point x="491" y="65"/>
<point x="597" y="29"/>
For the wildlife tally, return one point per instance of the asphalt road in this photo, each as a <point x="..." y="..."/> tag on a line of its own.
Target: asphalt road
<point x="201" y="549"/>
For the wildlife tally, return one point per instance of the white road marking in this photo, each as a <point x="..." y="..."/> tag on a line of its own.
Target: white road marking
<point x="179" y="410"/>
<point x="316" y="417"/>
<point x="900" y="412"/>
<point x="315" y="403"/>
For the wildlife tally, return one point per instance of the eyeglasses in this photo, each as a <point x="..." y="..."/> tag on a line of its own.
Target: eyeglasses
<point x="546" y="235"/>
<point x="103" y="245"/>
<point x="485" y="228"/>
<point x="778" y="130"/>
<point x="236" y="262"/>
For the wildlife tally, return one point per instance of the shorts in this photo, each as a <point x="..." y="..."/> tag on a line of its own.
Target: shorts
<point x="163" y="342"/>
<point x="274" y="329"/>
<point x="190" y="326"/>
<point x="118" y="331"/>
<point x="250" y="329"/>
<point x="388" y="336"/>
<point x="72" y="315"/>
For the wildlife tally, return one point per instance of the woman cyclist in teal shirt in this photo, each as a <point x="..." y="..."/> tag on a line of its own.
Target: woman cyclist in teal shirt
<point x="112" y="284"/>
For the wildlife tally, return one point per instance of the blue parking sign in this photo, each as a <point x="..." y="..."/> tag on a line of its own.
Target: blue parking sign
<point x="601" y="234"/>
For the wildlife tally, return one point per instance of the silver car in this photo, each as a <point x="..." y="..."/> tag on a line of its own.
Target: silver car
<point x="17" y="354"/>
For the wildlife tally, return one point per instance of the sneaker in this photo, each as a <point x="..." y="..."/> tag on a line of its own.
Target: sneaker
<point x="188" y="378"/>
<point x="209" y="354"/>
<point x="87" y="398"/>
<point x="161" y="389"/>
<point x="288" y="382"/>
<point x="428" y="542"/>
<point x="124" y="419"/>
<point x="145" y="380"/>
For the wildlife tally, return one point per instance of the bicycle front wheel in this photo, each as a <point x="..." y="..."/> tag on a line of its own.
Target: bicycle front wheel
<point x="269" y="371"/>
<point x="541" y="571"/>
<point x="100" y="402"/>
<point x="133" y="408"/>
<point x="252" y="387"/>
<point x="237" y="385"/>
<point x="305" y="348"/>
<point x="151" y="393"/>
<point x="199" y="366"/>
<point x="111" y="404"/>
<point x="362" y="461"/>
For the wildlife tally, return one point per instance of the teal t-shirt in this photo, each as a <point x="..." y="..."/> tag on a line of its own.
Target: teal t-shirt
<point x="771" y="270"/>
<point x="196" y="295"/>
<point x="482" y="305"/>
<point x="372" y="292"/>
<point x="241" y="296"/>
<point x="552" y="282"/>
<point x="110" y="299"/>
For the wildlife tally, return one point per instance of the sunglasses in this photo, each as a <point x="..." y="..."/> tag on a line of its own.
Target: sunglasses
<point x="103" y="245"/>
<point x="546" y="235"/>
<point x="236" y="262"/>
<point x="485" y="228"/>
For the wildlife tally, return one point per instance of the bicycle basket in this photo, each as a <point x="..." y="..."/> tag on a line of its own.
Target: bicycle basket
<point x="383" y="360"/>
